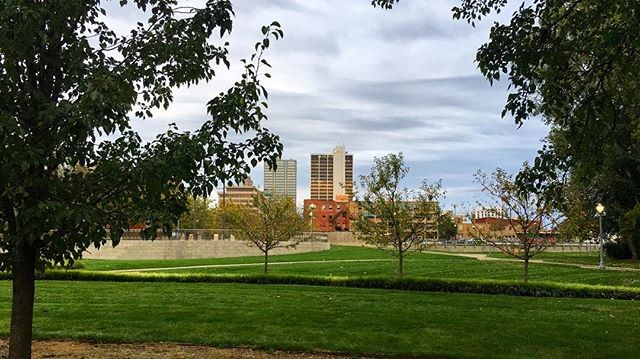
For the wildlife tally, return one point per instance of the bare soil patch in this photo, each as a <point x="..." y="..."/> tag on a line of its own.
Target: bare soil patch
<point x="82" y="350"/>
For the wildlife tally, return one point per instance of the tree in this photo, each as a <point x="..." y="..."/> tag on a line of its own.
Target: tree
<point x="392" y="217"/>
<point x="200" y="214"/>
<point x="273" y="222"/>
<point x="574" y="64"/>
<point x="528" y="218"/>
<point x="74" y="173"/>
<point x="446" y="227"/>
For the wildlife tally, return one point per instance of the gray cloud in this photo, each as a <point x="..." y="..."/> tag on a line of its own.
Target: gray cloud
<point x="420" y="28"/>
<point x="377" y="82"/>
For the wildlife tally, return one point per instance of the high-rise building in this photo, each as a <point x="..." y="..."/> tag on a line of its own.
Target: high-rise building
<point x="332" y="176"/>
<point x="489" y="212"/>
<point x="241" y="194"/>
<point x="283" y="180"/>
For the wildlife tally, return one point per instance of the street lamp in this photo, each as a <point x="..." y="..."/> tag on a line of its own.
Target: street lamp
<point x="312" y="207"/>
<point x="601" y="213"/>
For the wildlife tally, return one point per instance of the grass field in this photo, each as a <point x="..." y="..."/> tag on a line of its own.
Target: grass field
<point x="589" y="258"/>
<point x="422" y="265"/>
<point x="337" y="319"/>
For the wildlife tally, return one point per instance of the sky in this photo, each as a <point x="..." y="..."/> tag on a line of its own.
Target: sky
<point x="376" y="81"/>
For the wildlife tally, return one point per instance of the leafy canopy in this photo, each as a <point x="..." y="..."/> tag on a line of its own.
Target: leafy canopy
<point x="73" y="170"/>
<point x="574" y="63"/>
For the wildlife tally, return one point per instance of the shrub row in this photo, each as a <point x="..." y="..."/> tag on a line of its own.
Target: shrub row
<point x="500" y="287"/>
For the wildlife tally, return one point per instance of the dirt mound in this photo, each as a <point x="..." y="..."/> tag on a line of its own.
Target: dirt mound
<point x="81" y="350"/>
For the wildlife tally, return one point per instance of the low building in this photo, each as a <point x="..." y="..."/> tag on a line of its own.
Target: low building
<point x="241" y="194"/>
<point x="327" y="216"/>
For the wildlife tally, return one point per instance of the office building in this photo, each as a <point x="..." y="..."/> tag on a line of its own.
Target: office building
<point x="282" y="180"/>
<point x="240" y="194"/>
<point x="489" y="212"/>
<point x="332" y="176"/>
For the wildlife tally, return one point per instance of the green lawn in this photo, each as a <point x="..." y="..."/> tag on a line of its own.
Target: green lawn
<point x="590" y="258"/>
<point x="335" y="253"/>
<point x="338" y="319"/>
<point x="424" y="265"/>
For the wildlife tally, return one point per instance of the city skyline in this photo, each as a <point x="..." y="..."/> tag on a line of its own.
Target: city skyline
<point x="428" y="100"/>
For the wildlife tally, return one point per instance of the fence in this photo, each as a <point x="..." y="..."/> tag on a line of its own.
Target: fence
<point x="480" y="246"/>
<point x="210" y="235"/>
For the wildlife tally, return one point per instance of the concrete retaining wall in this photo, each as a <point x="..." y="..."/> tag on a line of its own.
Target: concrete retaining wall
<point x="166" y="249"/>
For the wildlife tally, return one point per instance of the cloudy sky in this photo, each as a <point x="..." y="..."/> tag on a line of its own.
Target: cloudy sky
<point x="375" y="81"/>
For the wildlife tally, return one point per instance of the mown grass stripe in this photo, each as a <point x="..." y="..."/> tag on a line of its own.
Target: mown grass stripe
<point x="493" y="287"/>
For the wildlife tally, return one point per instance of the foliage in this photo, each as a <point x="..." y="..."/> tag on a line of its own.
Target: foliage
<point x="401" y="219"/>
<point x="74" y="173"/>
<point x="446" y="226"/>
<point x="578" y="222"/>
<point x="272" y="222"/>
<point x="384" y="4"/>
<point x="528" y="216"/>
<point x="617" y="250"/>
<point x="201" y="214"/>
<point x="574" y="63"/>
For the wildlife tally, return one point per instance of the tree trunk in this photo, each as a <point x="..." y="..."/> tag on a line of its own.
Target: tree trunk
<point x="633" y="247"/>
<point x="22" y="310"/>
<point x="266" y="261"/>
<point x="526" y="270"/>
<point x="400" y="264"/>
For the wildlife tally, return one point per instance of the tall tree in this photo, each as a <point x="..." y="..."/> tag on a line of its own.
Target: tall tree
<point x="529" y="217"/>
<point x="74" y="173"/>
<point x="392" y="217"/>
<point x="272" y="222"/>
<point x="574" y="63"/>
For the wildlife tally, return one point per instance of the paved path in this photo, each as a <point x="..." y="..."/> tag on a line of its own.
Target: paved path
<point x="246" y="265"/>
<point x="478" y="256"/>
<point x="484" y="257"/>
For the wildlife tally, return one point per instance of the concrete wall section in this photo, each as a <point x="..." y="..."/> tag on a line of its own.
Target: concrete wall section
<point x="138" y="249"/>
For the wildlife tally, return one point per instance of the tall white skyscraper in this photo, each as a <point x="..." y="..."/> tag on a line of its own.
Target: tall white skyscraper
<point x="332" y="175"/>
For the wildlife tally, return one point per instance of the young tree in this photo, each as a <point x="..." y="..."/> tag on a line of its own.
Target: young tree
<point x="74" y="173"/>
<point x="528" y="217"/>
<point x="273" y="222"/>
<point x="392" y="217"/>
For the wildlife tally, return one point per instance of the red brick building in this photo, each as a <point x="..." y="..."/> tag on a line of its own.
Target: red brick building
<point x="328" y="216"/>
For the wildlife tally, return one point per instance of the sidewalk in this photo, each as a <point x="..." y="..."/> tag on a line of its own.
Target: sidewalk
<point x="484" y="257"/>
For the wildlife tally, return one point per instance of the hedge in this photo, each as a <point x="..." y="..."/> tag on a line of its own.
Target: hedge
<point x="493" y="287"/>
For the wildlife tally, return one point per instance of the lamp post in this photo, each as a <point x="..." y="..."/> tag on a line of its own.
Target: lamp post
<point x="312" y="207"/>
<point x="600" y="213"/>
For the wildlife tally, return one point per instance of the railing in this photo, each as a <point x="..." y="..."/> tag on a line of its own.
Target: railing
<point x="210" y="235"/>
<point x="482" y="246"/>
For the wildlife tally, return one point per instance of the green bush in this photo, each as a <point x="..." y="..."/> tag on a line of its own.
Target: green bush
<point x="493" y="287"/>
<point x="617" y="250"/>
